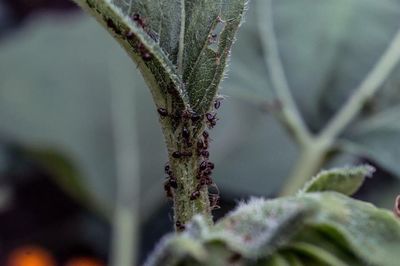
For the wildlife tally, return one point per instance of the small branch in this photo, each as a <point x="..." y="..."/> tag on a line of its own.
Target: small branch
<point x="311" y="158"/>
<point x="290" y="115"/>
<point x="371" y="84"/>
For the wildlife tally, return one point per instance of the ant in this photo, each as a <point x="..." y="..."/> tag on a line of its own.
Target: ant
<point x="162" y="112"/>
<point x="195" y="195"/>
<point x="214" y="201"/>
<point x="168" y="189"/>
<point x="205" y="154"/>
<point x="217" y="102"/>
<point x="179" y="226"/>
<point x="211" y="120"/>
<point x="136" y="17"/>
<point x="111" y="25"/>
<point x="178" y="154"/>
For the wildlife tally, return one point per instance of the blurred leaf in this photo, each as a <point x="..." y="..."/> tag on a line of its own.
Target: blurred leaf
<point x="333" y="230"/>
<point x="327" y="49"/>
<point x="343" y="180"/>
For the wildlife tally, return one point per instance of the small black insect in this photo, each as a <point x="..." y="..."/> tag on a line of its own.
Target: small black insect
<point x="211" y="119"/>
<point x="180" y="226"/>
<point x="217" y="103"/>
<point x="129" y="35"/>
<point x="187" y="153"/>
<point x="136" y="17"/>
<point x="162" y="112"/>
<point x="111" y="25"/>
<point x="195" y="195"/>
<point x="168" y="191"/>
<point x="207" y="172"/>
<point x="203" y="165"/>
<point x="195" y="117"/>
<point x="210" y="165"/>
<point x="146" y="56"/>
<point x="172" y="182"/>
<point x="185" y="133"/>
<point x="167" y="169"/>
<point x="177" y="154"/>
<point x="205" y="135"/>
<point x="205" y="154"/>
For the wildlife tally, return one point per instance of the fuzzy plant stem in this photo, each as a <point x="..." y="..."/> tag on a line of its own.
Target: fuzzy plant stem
<point x="188" y="199"/>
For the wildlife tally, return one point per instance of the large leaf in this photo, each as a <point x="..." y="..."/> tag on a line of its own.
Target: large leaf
<point x="179" y="45"/>
<point x="331" y="230"/>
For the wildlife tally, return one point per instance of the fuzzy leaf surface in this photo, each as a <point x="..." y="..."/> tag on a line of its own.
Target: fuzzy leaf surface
<point x="322" y="228"/>
<point x="343" y="180"/>
<point x="186" y="43"/>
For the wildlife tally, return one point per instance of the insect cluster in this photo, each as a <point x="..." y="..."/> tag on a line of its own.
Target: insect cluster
<point x="129" y="36"/>
<point x="187" y="120"/>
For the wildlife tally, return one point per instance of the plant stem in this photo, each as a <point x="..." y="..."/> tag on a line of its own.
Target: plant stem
<point x="368" y="87"/>
<point x="185" y="170"/>
<point x="310" y="160"/>
<point x="126" y="211"/>
<point x="312" y="156"/>
<point x="290" y="115"/>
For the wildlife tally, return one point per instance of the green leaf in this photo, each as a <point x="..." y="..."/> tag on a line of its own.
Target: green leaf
<point x="181" y="47"/>
<point x="330" y="229"/>
<point x="344" y="180"/>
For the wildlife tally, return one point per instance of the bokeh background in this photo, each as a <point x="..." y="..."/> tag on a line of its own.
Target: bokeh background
<point x="59" y="143"/>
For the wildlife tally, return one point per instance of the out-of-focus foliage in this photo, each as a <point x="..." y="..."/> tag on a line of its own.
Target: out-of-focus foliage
<point x="327" y="49"/>
<point x="316" y="228"/>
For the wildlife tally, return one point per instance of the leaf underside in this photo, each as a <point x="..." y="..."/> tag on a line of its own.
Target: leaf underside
<point x="181" y="47"/>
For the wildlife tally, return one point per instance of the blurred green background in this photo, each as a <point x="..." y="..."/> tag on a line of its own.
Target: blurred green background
<point x="58" y="69"/>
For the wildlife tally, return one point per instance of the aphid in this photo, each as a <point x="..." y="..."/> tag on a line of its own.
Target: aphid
<point x="209" y="181"/>
<point x="195" y="117"/>
<point x="168" y="190"/>
<point x="172" y="182"/>
<point x="136" y="17"/>
<point x="205" y="154"/>
<point x="146" y="56"/>
<point x="203" y="165"/>
<point x="180" y="226"/>
<point x="167" y="169"/>
<point x="187" y="153"/>
<point x="207" y="172"/>
<point x="176" y="154"/>
<point x="195" y="195"/>
<point x="217" y="102"/>
<point x="111" y="25"/>
<point x="185" y="133"/>
<point x="210" y="165"/>
<point x="214" y="201"/>
<point x="162" y="112"/>
<point x="205" y="135"/>
<point x="129" y="35"/>
<point x="203" y="182"/>
<point x="211" y="119"/>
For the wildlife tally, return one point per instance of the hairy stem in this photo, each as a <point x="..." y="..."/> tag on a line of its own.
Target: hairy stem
<point x="186" y="172"/>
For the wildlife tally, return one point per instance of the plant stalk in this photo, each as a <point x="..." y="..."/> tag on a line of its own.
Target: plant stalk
<point x="310" y="160"/>
<point x="186" y="172"/>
